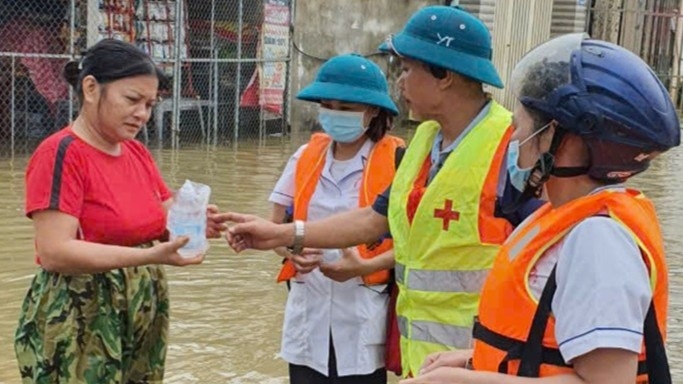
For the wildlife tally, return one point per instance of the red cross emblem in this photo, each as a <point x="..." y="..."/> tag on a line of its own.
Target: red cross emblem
<point x="447" y="214"/>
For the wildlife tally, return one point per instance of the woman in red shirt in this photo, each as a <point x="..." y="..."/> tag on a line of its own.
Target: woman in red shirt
<point x="97" y="310"/>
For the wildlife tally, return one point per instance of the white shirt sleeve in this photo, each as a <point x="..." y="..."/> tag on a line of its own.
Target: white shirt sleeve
<point x="283" y="193"/>
<point x="603" y="290"/>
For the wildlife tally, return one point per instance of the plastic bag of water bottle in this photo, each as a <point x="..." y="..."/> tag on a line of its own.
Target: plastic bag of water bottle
<point x="332" y="255"/>
<point x="187" y="217"/>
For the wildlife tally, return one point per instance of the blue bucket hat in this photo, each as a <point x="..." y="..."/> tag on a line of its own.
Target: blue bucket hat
<point x="450" y="38"/>
<point x="350" y="78"/>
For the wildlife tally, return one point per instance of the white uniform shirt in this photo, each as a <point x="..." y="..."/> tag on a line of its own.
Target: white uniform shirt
<point x="353" y="313"/>
<point x="603" y="288"/>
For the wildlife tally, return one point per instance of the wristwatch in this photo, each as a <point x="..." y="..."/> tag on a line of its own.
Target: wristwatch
<point x="298" y="245"/>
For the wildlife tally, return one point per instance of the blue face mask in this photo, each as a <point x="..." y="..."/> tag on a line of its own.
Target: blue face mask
<point x="519" y="176"/>
<point x="342" y="126"/>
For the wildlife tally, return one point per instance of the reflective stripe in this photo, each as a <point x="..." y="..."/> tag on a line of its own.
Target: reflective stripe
<point x="399" y="272"/>
<point x="447" y="281"/>
<point x="522" y="243"/>
<point x="441" y="281"/>
<point x="436" y="333"/>
<point x="402" y="325"/>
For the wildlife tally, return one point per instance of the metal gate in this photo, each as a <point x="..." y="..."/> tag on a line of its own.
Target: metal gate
<point x="227" y="61"/>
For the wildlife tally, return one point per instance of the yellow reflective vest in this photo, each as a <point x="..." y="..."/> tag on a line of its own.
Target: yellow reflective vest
<point x="444" y="255"/>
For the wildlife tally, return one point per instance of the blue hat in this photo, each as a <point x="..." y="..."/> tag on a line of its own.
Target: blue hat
<point x="350" y="78"/>
<point x="450" y="38"/>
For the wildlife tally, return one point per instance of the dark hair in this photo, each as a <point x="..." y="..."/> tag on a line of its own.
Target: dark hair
<point x="380" y="125"/>
<point x="438" y="72"/>
<point x="110" y="60"/>
<point x="541" y="79"/>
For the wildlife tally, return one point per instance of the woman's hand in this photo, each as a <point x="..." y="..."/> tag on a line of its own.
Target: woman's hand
<point x="307" y="261"/>
<point x="349" y="266"/>
<point x="442" y="375"/>
<point x="167" y="253"/>
<point x="213" y="226"/>
<point x="453" y="359"/>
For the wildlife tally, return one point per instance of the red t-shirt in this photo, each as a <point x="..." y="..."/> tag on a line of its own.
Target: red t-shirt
<point x="116" y="199"/>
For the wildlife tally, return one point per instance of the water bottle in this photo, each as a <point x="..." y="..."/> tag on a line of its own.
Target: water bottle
<point x="187" y="217"/>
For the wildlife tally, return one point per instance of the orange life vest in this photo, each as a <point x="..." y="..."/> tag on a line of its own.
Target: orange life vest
<point x="377" y="176"/>
<point x="515" y="334"/>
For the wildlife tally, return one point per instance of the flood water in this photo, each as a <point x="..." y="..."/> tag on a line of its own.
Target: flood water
<point x="226" y="314"/>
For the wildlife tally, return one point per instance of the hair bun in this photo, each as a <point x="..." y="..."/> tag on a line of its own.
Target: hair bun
<point x="71" y="73"/>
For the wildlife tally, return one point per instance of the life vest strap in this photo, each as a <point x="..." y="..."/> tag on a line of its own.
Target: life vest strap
<point x="532" y="353"/>
<point x="657" y="367"/>
<point x="514" y="348"/>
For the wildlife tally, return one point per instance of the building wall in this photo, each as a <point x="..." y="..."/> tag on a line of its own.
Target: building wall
<point x="331" y="27"/>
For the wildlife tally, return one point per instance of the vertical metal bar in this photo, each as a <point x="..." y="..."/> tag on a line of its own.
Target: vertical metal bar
<point x="287" y="113"/>
<point x="261" y="125"/>
<point x="588" y="16"/>
<point x="72" y="27"/>
<point x="655" y="36"/>
<point x="292" y="12"/>
<point x="13" y="102"/>
<point x="647" y="33"/>
<point x="238" y="79"/>
<point x="214" y="77"/>
<point x="72" y="52"/>
<point x="92" y="18"/>
<point x="675" y="70"/>
<point x="259" y="68"/>
<point x="25" y="94"/>
<point x="177" y="81"/>
<point x="214" y="102"/>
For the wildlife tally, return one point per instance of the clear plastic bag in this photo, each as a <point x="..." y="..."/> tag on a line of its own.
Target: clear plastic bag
<point x="187" y="217"/>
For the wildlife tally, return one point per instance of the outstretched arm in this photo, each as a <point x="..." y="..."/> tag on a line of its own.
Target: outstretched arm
<point x="602" y="366"/>
<point x="343" y="230"/>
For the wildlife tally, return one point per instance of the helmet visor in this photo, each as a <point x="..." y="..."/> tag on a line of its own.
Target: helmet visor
<point x="545" y="67"/>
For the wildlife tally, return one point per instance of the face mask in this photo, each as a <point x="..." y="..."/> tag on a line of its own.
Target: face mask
<point x="342" y="126"/>
<point x="519" y="176"/>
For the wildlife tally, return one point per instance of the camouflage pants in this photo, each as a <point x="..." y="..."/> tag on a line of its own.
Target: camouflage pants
<point x="100" y="328"/>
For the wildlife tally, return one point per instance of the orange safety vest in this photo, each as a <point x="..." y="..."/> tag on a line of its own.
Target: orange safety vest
<point x="377" y="176"/>
<point x="515" y="334"/>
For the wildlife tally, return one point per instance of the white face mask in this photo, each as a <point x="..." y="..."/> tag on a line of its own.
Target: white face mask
<point x="342" y="126"/>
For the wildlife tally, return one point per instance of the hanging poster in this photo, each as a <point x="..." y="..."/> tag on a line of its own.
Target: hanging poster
<point x="274" y="45"/>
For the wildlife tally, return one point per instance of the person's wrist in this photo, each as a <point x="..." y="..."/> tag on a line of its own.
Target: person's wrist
<point x="295" y="237"/>
<point x="366" y="266"/>
<point x="149" y="256"/>
<point x="282" y="252"/>
<point x="287" y="235"/>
